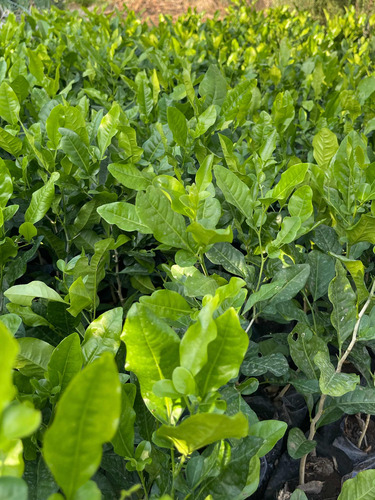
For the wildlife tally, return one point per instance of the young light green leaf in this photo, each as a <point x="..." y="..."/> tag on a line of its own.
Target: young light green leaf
<point x="103" y="335"/>
<point x="363" y="230"/>
<point x="289" y="179"/>
<point x="151" y="353"/>
<point x="33" y="357"/>
<point x="124" y="215"/>
<point x="8" y="353"/>
<point x="166" y="304"/>
<point x="108" y="128"/>
<point x="9" y="105"/>
<point x="204" y="122"/>
<point x="224" y="354"/>
<point x="325" y="146"/>
<point x="13" y="488"/>
<point x="79" y="297"/>
<point x="24" y="294"/>
<point x="360" y="487"/>
<point x="200" y="430"/>
<point x="300" y="203"/>
<point x="213" y="87"/>
<point x="73" y="443"/>
<point x="12" y="144"/>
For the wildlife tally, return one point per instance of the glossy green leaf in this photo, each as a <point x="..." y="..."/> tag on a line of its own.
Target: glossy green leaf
<point x="123" y="440"/>
<point x="155" y="211"/>
<point x="151" y="353"/>
<point x="204" y="121"/>
<point x="79" y="297"/>
<point x="41" y="200"/>
<point x="103" y="335"/>
<point x="200" y="430"/>
<point x="24" y="294"/>
<point x="213" y="87"/>
<point x="75" y="149"/>
<point x="178" y="126"/>
<point x="363" y="230"/>
<point x="129" y="175"/>
<point x="166" y="304"/>
<point x="124" y="215"/>
<point x="325" y="146"/>
<point x="362" y="399"/>
<point x="9" y="105"/>
<point x="33" y="357"/>
<point x="322" y="272"/>
<point x="65" y="362"/>
<point x="235" y="191"/>
<point x="224" y="354"/>
<point x="300" y="203"/>
<point x="73" y="443"/>
<point x="108" y="128"/>
<point x="205" y="237"/>
<point x="12" y="144"/>
<point x="289" y="179"/>
<point x="271" y="431"/>
<point x="8" y="353"/>
<point x="226" y="255"/>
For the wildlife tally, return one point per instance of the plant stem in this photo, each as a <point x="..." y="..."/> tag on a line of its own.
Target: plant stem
<point x="313" y="423"/>
<point x="340" y="363"/>
<point x="203" y="265"/>
<point x="119" y="291"/>
<point x="364" y="430"/>
<point x="142" y="478"/>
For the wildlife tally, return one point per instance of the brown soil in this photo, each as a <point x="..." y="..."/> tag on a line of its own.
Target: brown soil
<point x="150" y="9"/>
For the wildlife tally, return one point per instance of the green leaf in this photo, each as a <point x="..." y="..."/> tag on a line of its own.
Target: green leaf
<point x="123" y="440"/>
<point x="360" y="487"/>
<point x="19" y="420"/>
<point x="298" y="445"/>
<point x="255" y="365"/>
<point x="129" y="175"/>
<point x="225" y="353"/>
<point x="13" y="488"/>
<point x="304" y="345"/>
<point x="75" y="149"/>
<point x="283" y="111"/>
<point x="166" y="304"/>
<point x="178" y="126"/>
<point x="362" y="399"/>
<point x="124" y="215"/>
<point x="265" y="292"/>
<point x="8" y="353"/>
<point x="322" y="272"/>
<point x="195" y="342"/>
<point x="205" y="237"/>
<point x="65" y="362"/>
<point x="330" y="382"/>
<point x="41" y="200"/>
<point x="293" y="278"/>
<point x="200" y="430"/>
<point x="300" y="203"/>
<point x="343" y="299"/>
<point x="298" y="495"/>
<point x="79" y="297"/>
<point x="213" y="87"/>
<point x="103" y="335"/>
<point x="23" y="295"/>
<point x="271" y="431"/>
<point x="235" y="191"/>
<point x="183" y="381"/>
<point x="289" y="179"/>
<point x="108" y="128"/>
<point x="28" y="231"/>
<point x="155" y="211"/>
<point x="73" y="443"/>
<point x="226" y="255"/>
<point x="88" y="490"/>
<point x="204" y="122"/>
<point x="33" y="357"/>
<point x="151" y="353"/>
<point x="363" y="230"/>
<point x="12" y="144"/>
<point x="9" y="105"/>
<point x="6" y="185"/>
<point x="325" y="146"/>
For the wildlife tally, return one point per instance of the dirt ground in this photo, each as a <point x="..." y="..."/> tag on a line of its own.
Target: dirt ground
<point x="150" y="9"/>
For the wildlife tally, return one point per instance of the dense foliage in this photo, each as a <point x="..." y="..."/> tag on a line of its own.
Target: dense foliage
<point x="211" y="183"/>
